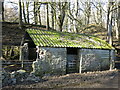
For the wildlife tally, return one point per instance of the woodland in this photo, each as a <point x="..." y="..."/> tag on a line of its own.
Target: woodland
<point x="90" y="17"/>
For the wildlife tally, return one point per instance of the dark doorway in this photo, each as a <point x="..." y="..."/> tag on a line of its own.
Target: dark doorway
<point x="72" y="60"/>
<point x="31" y="47"/>
<point x="32" y="54"/>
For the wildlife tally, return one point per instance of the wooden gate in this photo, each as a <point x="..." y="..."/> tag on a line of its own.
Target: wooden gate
<point x="72" y="64"/>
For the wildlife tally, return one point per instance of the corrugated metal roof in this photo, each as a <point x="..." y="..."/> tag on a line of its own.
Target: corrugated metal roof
<point x="64" y="39"/>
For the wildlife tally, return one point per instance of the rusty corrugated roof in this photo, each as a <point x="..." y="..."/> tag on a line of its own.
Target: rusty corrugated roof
<point x="50" y="38"/>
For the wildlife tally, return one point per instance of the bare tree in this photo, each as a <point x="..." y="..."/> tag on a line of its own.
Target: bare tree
<point x="27" y="9"/>
<point x="52" y="16"/>
<point x="11" y="15"/>
<point x="20" y="14"/>
<point x="35" y="13"/>
<point x="3" y="11"/>
<point x="47" y="17"/>
<point x="109" y="22"/>
<point x="54" y="13"/>
<point x="75" y="16"/>
<point x="39" y="15"/>
<point x="87" y="12"/>
<point x="61" y="15"/>
<point x="118" y="21"/>
<point x="24" y="15"/>
<point x="99" y="13"/>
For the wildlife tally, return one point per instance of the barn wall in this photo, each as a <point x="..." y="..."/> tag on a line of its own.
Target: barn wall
<point x="51" y="61"/>
<point x="94" y="59"/>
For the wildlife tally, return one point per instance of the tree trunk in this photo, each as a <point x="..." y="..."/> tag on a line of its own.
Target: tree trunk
<point x="52" y="12"/>
<point x="27" y="9"/>
<point x="99" y="16"/>
<point x="3" y="19"/>
<point x="24" y="15"/>
<point x="116" y="15"/>
<point x="75" y="16"/>
<point x="47" y="26"/>
<point x="55" y="18"/>
<point x="40" y="18"/>
<point x="108" y="12"/>
<point x="35" y="13"/>
<point x="61" y="15"/>
<point x="89" y="12"/>
<point x="69" y="20"/>
<point x="110" y="23"/>
<point x="20" y="14"/>
<point x="118" y="22"/>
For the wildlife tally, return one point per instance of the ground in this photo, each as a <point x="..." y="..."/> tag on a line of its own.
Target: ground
<point x="103" y="79"/>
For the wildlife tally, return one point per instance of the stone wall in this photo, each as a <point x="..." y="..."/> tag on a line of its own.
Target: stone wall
<point x="53" y="61"/>
<point x="94" y="59"/>
<point x="16" y="77"/>
<point x="50" y="61"/>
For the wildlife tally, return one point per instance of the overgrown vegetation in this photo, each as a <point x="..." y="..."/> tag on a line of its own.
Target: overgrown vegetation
<point x="10" y="52"/>
<point x="70" y="16"/>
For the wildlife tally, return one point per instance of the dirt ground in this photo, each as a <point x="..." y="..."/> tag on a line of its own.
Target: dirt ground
<point x="103" y="79"/>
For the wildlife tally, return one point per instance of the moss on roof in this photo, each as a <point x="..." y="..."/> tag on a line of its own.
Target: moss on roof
<point x="64" y="39"/>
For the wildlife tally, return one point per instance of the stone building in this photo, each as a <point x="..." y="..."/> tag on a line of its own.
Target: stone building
<point x="56" y="52"/>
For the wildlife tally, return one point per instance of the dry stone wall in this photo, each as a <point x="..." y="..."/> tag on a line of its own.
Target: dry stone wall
<point x="50" y="61"/>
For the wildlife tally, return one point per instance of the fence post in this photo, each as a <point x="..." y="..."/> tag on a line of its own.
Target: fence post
<point x="23" y="53"/>
<point x="80" y="67"/>
<point x="112" y="57"/>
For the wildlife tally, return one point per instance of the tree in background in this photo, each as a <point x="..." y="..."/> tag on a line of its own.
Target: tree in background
<point x="118" y="21"/>
<point x="74" y="19"/>
<point x="24" y="14"/>
<point x="113" y="22"/>
<point x="35" y="12"/>
<point x="3" y="11"/>
<point x="99" y="13"/>
<point x="109" y="22"/>
<point x="53" y="15"/>
<point x="87" y="12"/>
<point x="47" y="26"/>
<point x="61" y="14"/>
<point x="74" y="16"/>
<point x="27" y="9"/>
<point x="39" y="15"/>
<point x="66" y="16"/>
<point x="20" y="14"/>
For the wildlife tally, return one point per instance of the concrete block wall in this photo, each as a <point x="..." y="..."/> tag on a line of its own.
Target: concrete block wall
<point x="94" y="59"/>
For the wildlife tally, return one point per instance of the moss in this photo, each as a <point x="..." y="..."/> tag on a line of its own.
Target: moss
<point x="65" y="39"/>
